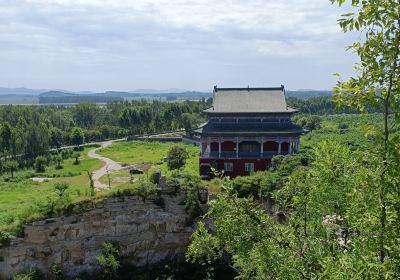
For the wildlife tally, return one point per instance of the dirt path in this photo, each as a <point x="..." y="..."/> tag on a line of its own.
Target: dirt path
<point x="110" y="165"/>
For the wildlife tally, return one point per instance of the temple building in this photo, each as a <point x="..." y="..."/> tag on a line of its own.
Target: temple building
<point x="246" y="127"/>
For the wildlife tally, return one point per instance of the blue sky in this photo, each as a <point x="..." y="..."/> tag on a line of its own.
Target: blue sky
<point x="193" y="44"/>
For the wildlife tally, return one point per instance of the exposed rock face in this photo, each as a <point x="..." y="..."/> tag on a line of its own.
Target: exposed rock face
<point x="146" y="233"/>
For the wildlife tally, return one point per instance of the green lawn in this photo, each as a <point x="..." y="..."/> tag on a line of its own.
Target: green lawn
<point x="146" y="156"/>
<point x="22" y="199"/>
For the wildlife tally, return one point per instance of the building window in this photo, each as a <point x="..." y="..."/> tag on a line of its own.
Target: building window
<point x="249" y="167"/>
<point x="271" y="120"/>
<point x="228" y="166"/>
<point x="228" y="120"/>
<point x="253" y="120"/>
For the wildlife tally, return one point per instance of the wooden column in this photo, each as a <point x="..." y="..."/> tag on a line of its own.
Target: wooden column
<point x="237" y="147"/>
<point x="279" y="147"/>
<point x="262" y="148"/>
<point x="219" y="149"/>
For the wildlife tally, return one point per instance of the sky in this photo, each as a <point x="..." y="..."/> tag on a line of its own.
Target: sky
<point x="123" y="45"/>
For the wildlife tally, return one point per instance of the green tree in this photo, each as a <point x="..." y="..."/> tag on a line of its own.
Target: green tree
<point x="314" y="239"/>
<point x="58" y="160"/>
<point x="309" y="122"/>
<point x="56" y="139"/>
<point x="6" y="135"/>
<point x="176" y="157"/>
<point x="40" y="164"/>
<point x="77" y="136"/>
<point x="85" y="114"/>
<point x="91" y="183"/>
<point x="109" y="261"/>
<point x="189" y="122"/>
<point x="11" y="166"/>
<point x="376" y="84"/>
<point x="76" y="157"/>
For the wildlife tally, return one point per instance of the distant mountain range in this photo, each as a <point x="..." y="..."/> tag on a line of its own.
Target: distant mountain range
<point x="43" y="96"/>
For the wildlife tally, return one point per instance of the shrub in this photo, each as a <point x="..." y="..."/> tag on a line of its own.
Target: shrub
<point x="309" y="122"/>
<point x="60" y="189"/>
<point x="343" y="126"/>
<point x="173" y="183"/>
<point x="109" y="260"/>
<point x="153" y="177"/>
<point x="176" y="157"/>
<point x="40" y="164"/>
<point x="146" y="189"/>
<point x="259" y="184"/>
<point x="30" y="275"/>
<point x="66" y="153"/>
<point x="76" y="157"/>
<point x="192" y="181"/>
<point x="77" y="136"/>
<point x="58" y="160"/>
<point x="57" y="273"/>
<point x="192" y="204"/>
<point x="11" y="166"/>
<point x="5" y="239"/>
<point x="91" y="183"/>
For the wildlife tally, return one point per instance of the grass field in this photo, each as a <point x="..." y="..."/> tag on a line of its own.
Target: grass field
<point x="23" y="199"/>
<point x="145" y="156"/>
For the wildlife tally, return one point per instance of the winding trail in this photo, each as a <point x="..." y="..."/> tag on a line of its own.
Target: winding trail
<point x="110" y="165"/>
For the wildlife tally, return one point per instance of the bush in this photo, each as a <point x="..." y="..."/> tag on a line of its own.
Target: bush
<point x="76" y="157"/>
<point x="153" y="176"/>
<point x="109" y="260"/>
<point x="176" y="157"/>
<point x="58" y="160"/>
<point x="173" y="183"/>
<point x="192" y="181"/>
<point x="60" y="189"/>
<point x="77" y="136"/>
<point x="11" y="166"/>
<point x="5" y="239"/>
<point x="30" y="275"/>
<point x="66" y="153"/>
<point x="343" y="126"/>
<point x="40" y="164"/>
<point x="259" y="184"/>
<point x="57" y="273"/>
<point x="309" y="122"/>
<point x="192" y="204"/>
<point x="146" y="189"/>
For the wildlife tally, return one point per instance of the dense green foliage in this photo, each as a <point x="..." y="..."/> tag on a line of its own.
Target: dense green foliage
<point x="176" y="157"/>
<point x="336" y="217"/>
<point x="330" y="228"/>
<point x="30" y="131"/>
<point x="109" y="261"/>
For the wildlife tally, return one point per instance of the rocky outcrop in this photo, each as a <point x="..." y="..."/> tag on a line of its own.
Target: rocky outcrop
<point x="146" y="232"/>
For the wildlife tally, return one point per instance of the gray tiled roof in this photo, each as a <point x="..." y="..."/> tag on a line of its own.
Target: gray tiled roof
<point x="249" y="100"/>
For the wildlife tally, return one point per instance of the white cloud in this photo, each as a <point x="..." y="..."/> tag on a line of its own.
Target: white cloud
<point x="284" y="49"/>
<point x="147" y="37"/>
<point x="294" y="16"/>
